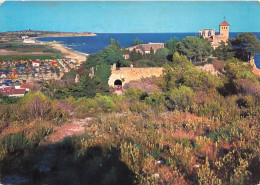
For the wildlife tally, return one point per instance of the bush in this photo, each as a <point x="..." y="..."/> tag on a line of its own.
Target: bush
<point x="144" y="63"/>
<point x="138" y="94"/>
<point x="4" y="114"/>
<point x="34" y="106"/>
<point x="181" y="98"/>
<point x="83" y="106"/>
<point x="106" y="103"/>
<point x="139" y="107"/>
<point x="155" y="99"/>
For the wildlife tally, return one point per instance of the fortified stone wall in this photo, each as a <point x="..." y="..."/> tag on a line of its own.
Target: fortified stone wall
<point x="127" y="74"/>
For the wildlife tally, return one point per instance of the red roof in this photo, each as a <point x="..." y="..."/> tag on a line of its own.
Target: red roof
<point x="28" y="86"/>
<point x="224" y="23"/>
<point x="12" y="91"/>
<point x="7" y="88"/>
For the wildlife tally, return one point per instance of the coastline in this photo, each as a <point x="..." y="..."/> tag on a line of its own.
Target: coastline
<point x="62" y="35"/>
<point x="69" y="53"/>
<point x="255" y="70"/>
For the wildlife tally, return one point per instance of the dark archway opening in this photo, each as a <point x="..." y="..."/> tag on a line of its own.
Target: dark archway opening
<point x="209" y="34"/>
<point x="118" y="85"/>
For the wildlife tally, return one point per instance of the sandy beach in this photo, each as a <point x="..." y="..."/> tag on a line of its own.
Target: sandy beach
<point x="68" y="53"/>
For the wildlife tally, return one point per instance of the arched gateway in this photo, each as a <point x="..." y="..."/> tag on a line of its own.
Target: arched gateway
<point x="118" y="85"/>
<point x="124" y="75"/>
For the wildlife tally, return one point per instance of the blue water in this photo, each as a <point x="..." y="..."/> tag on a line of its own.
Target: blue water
<point x="89" y="45"/>
<point x="129" y="16"/>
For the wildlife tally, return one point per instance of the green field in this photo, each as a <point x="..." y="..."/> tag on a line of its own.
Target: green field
<point x="26" y="52"/>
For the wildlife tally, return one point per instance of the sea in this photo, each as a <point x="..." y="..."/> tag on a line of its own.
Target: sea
<point x="93" y="44"/>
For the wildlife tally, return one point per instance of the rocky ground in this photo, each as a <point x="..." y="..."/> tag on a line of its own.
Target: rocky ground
<point x="74" y="127"/>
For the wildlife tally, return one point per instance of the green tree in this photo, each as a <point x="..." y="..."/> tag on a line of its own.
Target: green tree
<point x="161" y="54"/>
<point x="57" y="70"/>
<point x="246" y="45"/>
<point x="172" y="45"/>
<point x="183" y="73"/>
<point x="118" y="45"/>
<point x="112" y="42"/>
<point x="151" y="55"/>
<point x="52" y="69"/>
<point x="103" y="72"/>
<point x="195" y="48"/>
<point x="224" y="51"/>
<point x="135" y="56"/>
<point x="151" y="51"/>
<point x="238" y="78"/>
<point x="89" y="87"/>
<point x="180" y="98"/>
<point x="137" y="42"/>
<point x="109" y="55"/>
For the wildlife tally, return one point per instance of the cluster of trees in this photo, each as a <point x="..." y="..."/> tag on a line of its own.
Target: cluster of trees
<point x="199" y="50"/>
<point x="137" y="42"/>
<point x="158" y="58"/>
<point x="66" y="87"/>
<point x="243" y="47"/>
<point x="101" y="62"/>
<point x="114" y="43"/>
<point x="196" y="49"/>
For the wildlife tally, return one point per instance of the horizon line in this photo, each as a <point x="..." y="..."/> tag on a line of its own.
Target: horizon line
<point x="2" y="1"/>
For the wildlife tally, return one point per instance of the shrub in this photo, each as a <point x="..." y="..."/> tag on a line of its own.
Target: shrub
<point x="145" y="63"/>
<point x="106" y="103"/>
<point x="4" y="114"/>
<point x="83" y="106"/>
<point x="181" y="98"/>
<point x="139" y="107"/>
<point x="138" y="94"/>
<point x="155" y="99"/>
<point x="34" y="106"/>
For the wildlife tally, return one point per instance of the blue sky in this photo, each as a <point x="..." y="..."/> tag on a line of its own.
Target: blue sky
<point x="127" y="17"/>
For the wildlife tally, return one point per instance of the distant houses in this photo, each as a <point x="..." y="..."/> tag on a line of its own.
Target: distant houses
<point x="27" y="40"/>
<point x="16" y="91"/>
<point x="146" y="48"/>
<point x="11" y="91"/>
<point x="36" y="63"/>
<point x="143" y="49"/>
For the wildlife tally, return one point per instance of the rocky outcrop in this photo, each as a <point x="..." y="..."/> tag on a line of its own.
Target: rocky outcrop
<point x="255" y="70"/>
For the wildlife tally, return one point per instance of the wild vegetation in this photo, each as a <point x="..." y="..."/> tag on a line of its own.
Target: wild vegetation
<point x="197" y="128"/>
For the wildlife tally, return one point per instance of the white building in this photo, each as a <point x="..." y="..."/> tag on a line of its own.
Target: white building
<point x="29" y="41"/>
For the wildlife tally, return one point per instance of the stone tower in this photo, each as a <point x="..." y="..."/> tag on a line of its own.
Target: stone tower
<point x="224" y="30"/>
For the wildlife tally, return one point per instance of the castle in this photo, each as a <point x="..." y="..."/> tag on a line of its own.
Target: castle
<point x="215" y="40"/>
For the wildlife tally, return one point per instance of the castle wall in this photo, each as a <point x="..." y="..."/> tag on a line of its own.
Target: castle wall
<point x="127" y="74"/>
